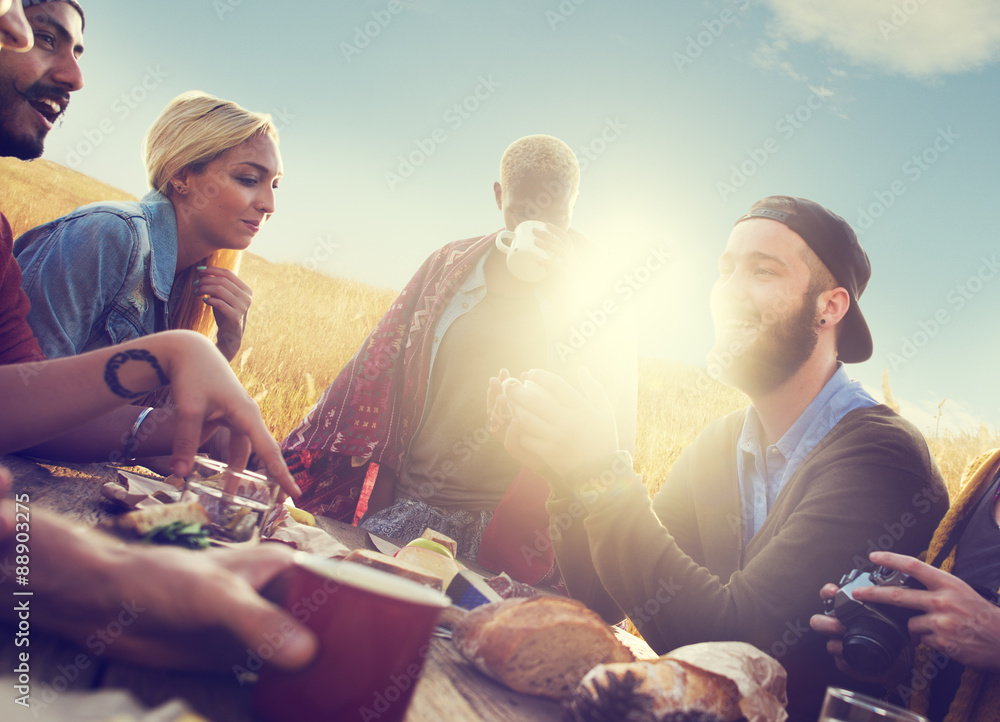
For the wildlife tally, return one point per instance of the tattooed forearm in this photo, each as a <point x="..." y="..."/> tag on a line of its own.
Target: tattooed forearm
<point x="119" y="360"/>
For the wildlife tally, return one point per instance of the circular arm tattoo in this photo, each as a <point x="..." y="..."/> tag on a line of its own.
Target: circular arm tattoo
<point x="119" y="360"/>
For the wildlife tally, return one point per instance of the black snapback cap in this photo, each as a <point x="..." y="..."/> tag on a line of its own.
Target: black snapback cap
<point x="835" y="242"/>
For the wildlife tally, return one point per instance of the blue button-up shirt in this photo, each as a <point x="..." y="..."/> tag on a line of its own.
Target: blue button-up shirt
<point x="763" y="473"/>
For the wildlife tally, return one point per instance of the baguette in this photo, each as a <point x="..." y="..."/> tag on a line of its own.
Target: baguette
<point x="542" y="646"/>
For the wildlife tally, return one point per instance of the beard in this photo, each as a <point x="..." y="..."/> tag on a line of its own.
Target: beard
<point x="776" y="354"/>
<point x="23" y="147"/>
<point x="15" y="142"/>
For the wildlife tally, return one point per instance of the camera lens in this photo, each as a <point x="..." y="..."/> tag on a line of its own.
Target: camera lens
<point x="872" y="645"/>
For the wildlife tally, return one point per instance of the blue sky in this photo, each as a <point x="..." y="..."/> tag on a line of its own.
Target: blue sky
<point x="683" y="114"/>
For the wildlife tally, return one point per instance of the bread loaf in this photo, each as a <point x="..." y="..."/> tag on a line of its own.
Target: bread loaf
<point x="652" y="690"/>
<point x="709" y="682"/>
<point x="542" y="646"/>
<point x="379" y="561"/>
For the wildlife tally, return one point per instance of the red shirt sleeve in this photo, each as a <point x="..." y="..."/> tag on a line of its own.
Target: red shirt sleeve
<point x="17" y="342"/>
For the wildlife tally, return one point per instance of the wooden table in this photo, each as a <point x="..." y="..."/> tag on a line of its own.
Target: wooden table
<point x="449" y="689"/>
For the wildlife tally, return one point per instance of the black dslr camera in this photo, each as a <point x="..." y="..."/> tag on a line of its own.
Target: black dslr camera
<point x="876" y="633"/>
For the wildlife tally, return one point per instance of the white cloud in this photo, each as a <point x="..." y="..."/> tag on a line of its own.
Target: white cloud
<point x="771" y="56"/>
<point x="918" y="38"/>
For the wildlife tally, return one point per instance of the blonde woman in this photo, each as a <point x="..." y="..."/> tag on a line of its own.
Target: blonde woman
<point x="110" y="272"/>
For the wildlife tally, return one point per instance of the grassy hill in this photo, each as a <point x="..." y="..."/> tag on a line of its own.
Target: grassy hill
<point x="304" y="326"/>
<point x="36" y="192"/>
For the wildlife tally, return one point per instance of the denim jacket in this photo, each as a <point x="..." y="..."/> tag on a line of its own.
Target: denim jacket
<point x="100" y="275"/>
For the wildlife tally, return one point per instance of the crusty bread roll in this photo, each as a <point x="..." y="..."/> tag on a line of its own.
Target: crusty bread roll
<point x="713" y="681"/>
<point x="543" y="645"/>
<point x="379" y="561"/>
<point x="652" y="691"/>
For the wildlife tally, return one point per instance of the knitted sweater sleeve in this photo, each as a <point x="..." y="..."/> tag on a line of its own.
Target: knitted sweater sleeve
<point x="844" y="501"/>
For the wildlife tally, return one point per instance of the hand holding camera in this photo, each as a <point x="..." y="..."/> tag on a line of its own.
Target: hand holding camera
<point x="906" y="595"/>
<point x="875" y="635"/>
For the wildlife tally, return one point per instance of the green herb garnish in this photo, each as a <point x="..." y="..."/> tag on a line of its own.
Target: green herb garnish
<point x="179" y="533"/>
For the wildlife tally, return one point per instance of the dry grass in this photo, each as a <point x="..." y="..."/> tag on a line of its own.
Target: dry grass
<point x="36" y="192"/>
<point x="672" y="410"/>
<point x="954" y="450"/>
<point x="304" y="326"/>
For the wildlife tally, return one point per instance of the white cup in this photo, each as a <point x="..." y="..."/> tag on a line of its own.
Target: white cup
<point x="525" y="260"/>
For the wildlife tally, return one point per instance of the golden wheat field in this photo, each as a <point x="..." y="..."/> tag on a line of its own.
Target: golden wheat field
<point x="304" y="326"/>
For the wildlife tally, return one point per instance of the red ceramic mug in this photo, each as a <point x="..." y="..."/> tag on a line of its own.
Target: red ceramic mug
<point x="374" y="635"/>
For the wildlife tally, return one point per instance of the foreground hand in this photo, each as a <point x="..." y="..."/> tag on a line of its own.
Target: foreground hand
<point x="956" y="620"/>
<point x="207" y="394"/>
<point x="566" y="280"/>
<point x="561" y="245"/>
<point x="552" y="422"/>
<point x="163" y="607"/>
<point x="501" y="421"/>
<point x="230" y="299"/>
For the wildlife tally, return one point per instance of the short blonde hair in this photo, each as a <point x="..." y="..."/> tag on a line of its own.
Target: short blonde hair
<point x="193" y="130"/>
<point x="540" y="155"/>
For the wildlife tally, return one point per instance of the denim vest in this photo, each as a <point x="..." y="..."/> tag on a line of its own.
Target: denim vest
<point x="100" y="275"/>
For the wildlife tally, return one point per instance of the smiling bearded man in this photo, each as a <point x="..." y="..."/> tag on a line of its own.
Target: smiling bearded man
<point x="768" y="503"/>
<point x="35" y="84"/>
